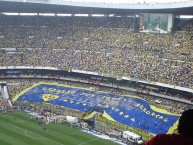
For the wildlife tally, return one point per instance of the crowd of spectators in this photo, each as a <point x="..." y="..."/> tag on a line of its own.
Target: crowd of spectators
<point x="106" y="45"/>
<point x="3" y="102"/>
<point x="188" y="26"/>
<point x="1" y="97"/>
<point x="165" y="92"/>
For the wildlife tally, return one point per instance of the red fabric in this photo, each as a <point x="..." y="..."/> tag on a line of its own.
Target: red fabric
<point x="170" y="139"/>
<point x="5" y="104"/>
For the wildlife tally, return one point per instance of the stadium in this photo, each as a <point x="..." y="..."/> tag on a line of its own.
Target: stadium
<point x="87" y="73"/>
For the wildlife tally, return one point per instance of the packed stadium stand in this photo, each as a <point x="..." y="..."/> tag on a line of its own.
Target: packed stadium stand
<point x="147" y="55"/>
<point x="60" y="42"/>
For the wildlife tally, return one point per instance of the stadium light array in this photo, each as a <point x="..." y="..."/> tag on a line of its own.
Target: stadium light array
<point x="28" y="14"/>
<point x="186" y="16"/>
<point x="125" y="1"/>
<point x="98" y="15"/>
<point x="64" y="15"/>
<point x="81" y="15"/>
<point x="15" y="14"/>
<point x="46" y="14"/>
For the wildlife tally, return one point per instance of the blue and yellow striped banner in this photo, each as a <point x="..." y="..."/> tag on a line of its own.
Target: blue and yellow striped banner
<point x="127" y="110"/>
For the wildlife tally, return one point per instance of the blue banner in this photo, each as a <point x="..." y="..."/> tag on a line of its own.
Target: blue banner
<point x="131" y="111"/>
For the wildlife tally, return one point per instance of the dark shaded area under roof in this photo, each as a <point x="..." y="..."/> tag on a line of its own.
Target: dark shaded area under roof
<point x="47" y="8"/>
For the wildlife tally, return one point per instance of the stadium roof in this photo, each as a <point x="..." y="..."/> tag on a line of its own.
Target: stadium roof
<point x="48" y="6"/>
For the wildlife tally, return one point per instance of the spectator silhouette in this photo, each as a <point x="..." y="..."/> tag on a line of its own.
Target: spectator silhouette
<point x="185" y="130"/>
